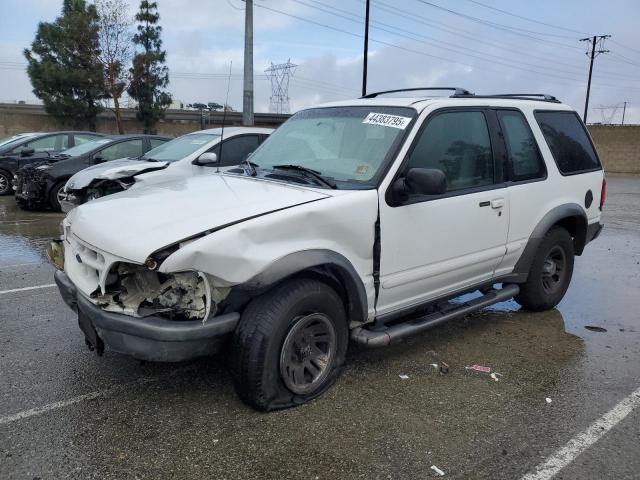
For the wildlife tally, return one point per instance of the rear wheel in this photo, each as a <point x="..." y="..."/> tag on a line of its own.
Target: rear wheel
<point x="5" y="183"/>
<point x="290" y="345"/>
<point x="550" y="273"/>
<point x="57" y="194"/>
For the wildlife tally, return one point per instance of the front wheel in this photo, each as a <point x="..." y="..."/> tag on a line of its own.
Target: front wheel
<point x="550" y="273"/>
<point x="57" y="194"/>
<point x="290" y="345"/>
<point x="5" y="183"/>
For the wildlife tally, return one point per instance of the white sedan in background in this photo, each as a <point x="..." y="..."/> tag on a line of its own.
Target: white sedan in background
<point x="197" y="153"/>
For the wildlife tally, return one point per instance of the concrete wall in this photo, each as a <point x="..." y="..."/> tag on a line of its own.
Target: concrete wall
<point x="618" y="147"/>
<point x="15" y="118"/>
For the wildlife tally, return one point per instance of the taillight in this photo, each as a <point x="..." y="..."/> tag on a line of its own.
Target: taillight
<point x="603" y="192"/>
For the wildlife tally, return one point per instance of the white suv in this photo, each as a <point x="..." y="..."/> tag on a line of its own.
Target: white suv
<point x="359" y="219"/>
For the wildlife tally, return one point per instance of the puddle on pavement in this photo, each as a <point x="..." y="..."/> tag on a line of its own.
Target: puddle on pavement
<point x="24" y="236"/>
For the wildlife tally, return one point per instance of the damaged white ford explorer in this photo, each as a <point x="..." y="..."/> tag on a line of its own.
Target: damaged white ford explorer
<point x="361" y="220"/>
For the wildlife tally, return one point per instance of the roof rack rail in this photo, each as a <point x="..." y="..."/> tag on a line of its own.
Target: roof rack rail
<point x="458" y="91"/>
<point x="543" y="97"/>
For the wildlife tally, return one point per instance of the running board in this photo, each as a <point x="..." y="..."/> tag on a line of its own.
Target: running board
<point x="381" y="338"/>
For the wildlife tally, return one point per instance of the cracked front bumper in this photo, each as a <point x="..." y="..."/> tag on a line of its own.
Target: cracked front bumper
<point x="150" y="338"/>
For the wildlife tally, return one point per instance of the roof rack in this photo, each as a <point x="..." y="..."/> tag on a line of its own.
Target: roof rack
<point x="458" y="91"/>
<point x="542" y="97"/>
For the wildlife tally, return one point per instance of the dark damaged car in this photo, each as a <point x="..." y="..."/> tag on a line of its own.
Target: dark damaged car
<point x="26" y="148"/>
<point x="41" y="184"/>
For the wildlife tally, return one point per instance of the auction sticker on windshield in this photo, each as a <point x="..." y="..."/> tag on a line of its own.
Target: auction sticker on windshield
<point x="385" y="120"/>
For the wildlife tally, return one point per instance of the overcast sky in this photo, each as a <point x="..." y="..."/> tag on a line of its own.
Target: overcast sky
<point x="414" y="43"/>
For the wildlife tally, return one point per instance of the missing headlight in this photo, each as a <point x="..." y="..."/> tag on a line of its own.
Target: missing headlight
<point x="135" y="290"/>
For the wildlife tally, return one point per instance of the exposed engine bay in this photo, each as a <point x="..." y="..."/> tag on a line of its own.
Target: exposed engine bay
<point x="139" y="291"/>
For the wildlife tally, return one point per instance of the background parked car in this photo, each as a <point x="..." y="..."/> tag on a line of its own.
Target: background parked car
<point x="181" y="157"/>
<point x="40" y="184"/>
<point x="27" y="148"/>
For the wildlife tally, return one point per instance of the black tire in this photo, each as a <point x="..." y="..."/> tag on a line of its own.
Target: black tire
<point x="53" y="195"/>
<point x="5" y="183"/>
<point x="550" y="272"/>
<point x="269" y="326"/>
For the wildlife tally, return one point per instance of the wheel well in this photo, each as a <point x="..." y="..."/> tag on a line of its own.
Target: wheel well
<point x="577" y="228"/>
<point x="330" y="274"/>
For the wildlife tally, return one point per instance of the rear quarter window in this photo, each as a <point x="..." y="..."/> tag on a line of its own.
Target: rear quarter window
<point x="568" y="141"/>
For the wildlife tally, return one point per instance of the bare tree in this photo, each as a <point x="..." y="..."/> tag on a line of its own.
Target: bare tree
<point x="116" y="50"/>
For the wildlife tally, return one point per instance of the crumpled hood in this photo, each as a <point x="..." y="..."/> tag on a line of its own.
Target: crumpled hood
<point x="135" y="223"/>
<point x="112" y="170"/>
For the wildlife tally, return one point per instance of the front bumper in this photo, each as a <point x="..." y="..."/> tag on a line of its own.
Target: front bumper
<point x="150" y="338"/>
<point x="69" y="203"/>
<point x="29" y="191"/>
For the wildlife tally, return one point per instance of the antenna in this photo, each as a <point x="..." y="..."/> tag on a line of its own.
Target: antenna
<point x="224" y="117"/>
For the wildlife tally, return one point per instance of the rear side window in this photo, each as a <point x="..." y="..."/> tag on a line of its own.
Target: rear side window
<point x="568" y="142"/>
<point x="525" y="158"/>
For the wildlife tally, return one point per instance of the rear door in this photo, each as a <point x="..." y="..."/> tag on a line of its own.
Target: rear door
<point x="435" y="245"/>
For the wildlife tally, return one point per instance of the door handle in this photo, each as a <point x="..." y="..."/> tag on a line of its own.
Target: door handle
<point x="497" y="203"/>
<point x="485" y="204"/>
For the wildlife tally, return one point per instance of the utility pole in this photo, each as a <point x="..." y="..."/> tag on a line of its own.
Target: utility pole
<point x="599" y="39"/>
<point x="247" y="98"/>
<point x="624" y="109"/>
<point x="366" y="49"/>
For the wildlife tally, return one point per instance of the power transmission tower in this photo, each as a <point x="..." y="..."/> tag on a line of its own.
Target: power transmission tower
<point x="608" y="112"/>
<point x="280" y="75"/>
<point x="599" y="40"/>
<point x="247" y="94"/>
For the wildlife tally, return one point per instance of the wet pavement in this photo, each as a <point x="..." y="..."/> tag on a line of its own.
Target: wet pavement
<point x="65" y="413"/>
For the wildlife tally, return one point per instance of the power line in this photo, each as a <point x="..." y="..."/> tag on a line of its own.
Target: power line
<point x="461" y="50"/>
<point x="418" y="52"/>
<point x="468" y="35"/>
<point x="499" y="26"/>
<point x="527" y="18"/>
<point x="624" y="46"/>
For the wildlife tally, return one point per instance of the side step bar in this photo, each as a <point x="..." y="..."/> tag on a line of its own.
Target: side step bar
<point x="381" y="338"/>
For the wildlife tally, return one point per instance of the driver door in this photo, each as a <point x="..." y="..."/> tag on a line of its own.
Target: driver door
<point x="435" y="245"/>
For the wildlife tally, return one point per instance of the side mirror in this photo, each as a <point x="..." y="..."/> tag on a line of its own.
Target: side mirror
<point x="26" y="152"/>
<point x="98" y="159"/>
<point x="421" y="181"/>
<point x="207" y="158"/>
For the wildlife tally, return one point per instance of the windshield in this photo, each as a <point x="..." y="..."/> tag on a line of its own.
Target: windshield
<point x="348" y="144"/>
<point x="85" y="147"/>
<point x="180" y="147"/>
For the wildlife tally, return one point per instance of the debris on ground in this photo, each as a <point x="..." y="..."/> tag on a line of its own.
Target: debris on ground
<point x="403" y="376"/>
<point x="437" y="470"/>
<point x="548" y="400"/>
<point x="495" y="375"/>
<point x="593" y="328"/>
<point x="479" y="368"/>
<point x="442" y="367"/>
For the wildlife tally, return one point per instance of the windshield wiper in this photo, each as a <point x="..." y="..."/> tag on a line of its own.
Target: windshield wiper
<point x="150" y="160"/>
<point x="310" y="172"/>
<point x="251" y="170"/>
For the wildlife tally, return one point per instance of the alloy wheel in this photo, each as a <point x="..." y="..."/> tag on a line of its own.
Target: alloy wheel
<point x="308" y="352"/>
<point x="554" y="270"/>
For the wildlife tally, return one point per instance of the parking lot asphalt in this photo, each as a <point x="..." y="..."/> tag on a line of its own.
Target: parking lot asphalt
<point x="66" y="413"/>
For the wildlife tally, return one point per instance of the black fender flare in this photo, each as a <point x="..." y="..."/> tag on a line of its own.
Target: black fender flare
<point x="552" y="217"/>
<point x="307" y="260"/>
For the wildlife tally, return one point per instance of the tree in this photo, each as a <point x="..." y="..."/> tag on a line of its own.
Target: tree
<point x="63" y="68"/>
<point x="149" y="75"/>
<point x="116" y="50"/>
